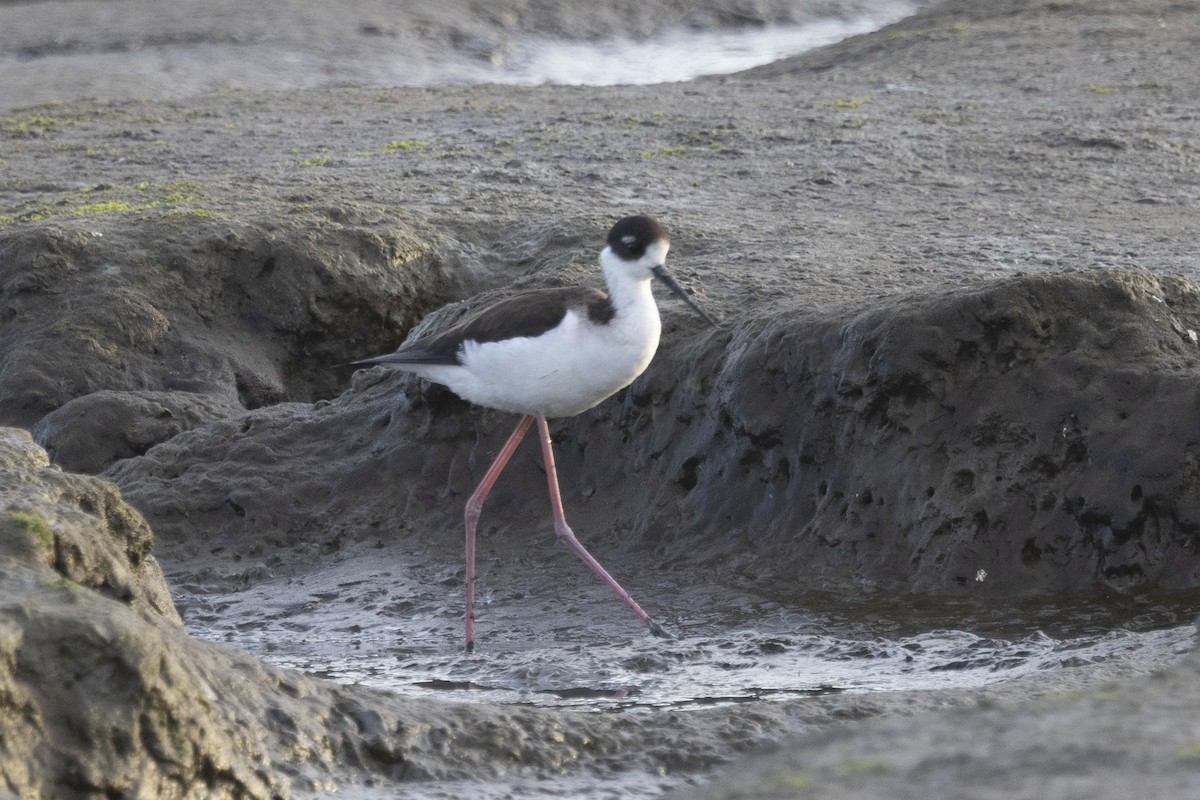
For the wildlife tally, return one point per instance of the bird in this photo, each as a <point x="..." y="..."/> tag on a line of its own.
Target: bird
<point x="551" y="353"/>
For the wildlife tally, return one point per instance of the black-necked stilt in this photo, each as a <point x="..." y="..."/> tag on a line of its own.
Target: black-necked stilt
<point x="553" y="353"/>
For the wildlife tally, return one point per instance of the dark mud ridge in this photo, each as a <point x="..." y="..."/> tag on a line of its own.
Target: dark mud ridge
<point x="959" y="363"/>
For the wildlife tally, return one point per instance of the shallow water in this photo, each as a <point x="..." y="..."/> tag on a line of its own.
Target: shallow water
<point x="550" y="635"/>
<point x="232" y="57"/>
<point x="740" y="665"/>
<point x="393" y="622"/>
<point x="398" y="629"/>
<point x="674" y="56"/>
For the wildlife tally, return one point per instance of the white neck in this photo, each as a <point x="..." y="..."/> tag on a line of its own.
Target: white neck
<point x="628" y="287"/>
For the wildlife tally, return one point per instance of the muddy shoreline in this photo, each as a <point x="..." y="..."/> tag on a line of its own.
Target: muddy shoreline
<point x="139" y="49"/>
<point x="959" y="356"/>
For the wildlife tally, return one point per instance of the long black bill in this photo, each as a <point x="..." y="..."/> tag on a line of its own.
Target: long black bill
<point x="661" y="273"/>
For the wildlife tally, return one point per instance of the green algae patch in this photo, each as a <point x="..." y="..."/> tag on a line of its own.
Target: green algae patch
<point x="35" y="525"/>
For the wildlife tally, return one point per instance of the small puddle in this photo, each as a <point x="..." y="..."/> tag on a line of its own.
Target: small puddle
<point x="734" y="666"/>
<point x="678" y="55"/>
<point x="399" y="630"/>
<point x="551" y="638"/>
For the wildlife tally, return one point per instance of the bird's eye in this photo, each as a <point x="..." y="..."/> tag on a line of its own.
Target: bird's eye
<point x="628" y="240"/>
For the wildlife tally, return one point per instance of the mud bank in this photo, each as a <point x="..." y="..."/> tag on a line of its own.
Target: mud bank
<point x="986" y="443"/>
<point x="959" y="362"/>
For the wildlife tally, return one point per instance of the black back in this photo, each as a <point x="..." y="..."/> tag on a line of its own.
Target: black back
<point x="527" y="314"/>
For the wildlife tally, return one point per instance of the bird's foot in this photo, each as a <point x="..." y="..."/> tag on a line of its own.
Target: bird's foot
<point x="658" y="630"/>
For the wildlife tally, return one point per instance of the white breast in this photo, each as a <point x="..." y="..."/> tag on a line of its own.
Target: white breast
<point x="567" y="370"/>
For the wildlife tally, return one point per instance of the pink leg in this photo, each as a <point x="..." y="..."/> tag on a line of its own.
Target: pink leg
<point x="564" y="532"/>
<point x="474" y="507"/>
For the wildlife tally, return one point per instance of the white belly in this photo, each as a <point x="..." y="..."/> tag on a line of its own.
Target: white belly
<point x="563" y="372"/>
